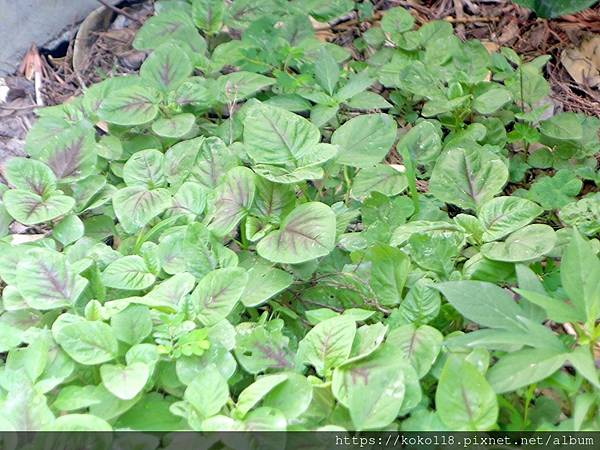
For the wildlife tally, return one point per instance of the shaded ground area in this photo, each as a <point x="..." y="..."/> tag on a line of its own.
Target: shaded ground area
<point x="103" y="49"/>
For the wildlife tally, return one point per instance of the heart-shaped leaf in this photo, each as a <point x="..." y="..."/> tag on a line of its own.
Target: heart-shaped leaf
<point x="129" y="272"/>
<point x="136" y="206"/>
<point x="218" y="292"/>
<point x="174" y="127"/>
<point x="308" y="232"/>
<point x="503" y="215"/>
<point x="233" y="200"/>
<point x="526" y="244"/>
<point x="135" y="105"/>
<point x="238" y="86"/>
<point x="464" y="399"/>
<point x="365" y="140"/>
<point x="46" y="281"/>
<point x="467" y="177"/>
<point x="124" y="382"/>
<point x="30" y="209"/>
<point x="167" y="67"/>
<point x="276" y="136"/>
<point x="30" y="175"/>
<point x="88" y="342"/>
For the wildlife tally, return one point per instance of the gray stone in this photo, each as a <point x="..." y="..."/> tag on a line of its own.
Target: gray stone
<point x="24" y="22"/>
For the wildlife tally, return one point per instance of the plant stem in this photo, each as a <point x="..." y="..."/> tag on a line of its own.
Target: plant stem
<point x="348" y="185"/>
<point x="411" y="176"/>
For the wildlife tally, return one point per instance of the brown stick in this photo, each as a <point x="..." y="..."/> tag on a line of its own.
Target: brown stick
<point x="18" y="108"/>
<point x="120" y="11"/>
<point x="470" y="19"/>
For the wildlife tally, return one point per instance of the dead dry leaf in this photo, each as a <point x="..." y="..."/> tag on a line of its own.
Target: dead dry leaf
<point x="583" y="63"/>
<point x="26" y="238"/>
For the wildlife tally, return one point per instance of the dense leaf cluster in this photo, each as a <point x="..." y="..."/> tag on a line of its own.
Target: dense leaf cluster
<point x="222" y="245"/>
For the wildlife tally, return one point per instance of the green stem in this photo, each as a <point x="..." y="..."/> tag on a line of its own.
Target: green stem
<point x="243" y="236"/>
<point x="348" y="185"/>
<point x="411" y="176"/>
<point x="528" y="397"/>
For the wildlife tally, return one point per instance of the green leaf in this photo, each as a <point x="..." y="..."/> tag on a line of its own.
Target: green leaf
<point x="30" y="175"/>
<point x="556" y="191"/>
<point x="174" y="127"/>
<point x="423" y="142"/>
<point x="151" y="413"/>
<point x="282" y="175"/>
<point x="79" y="423"/>
<point x="10" y="337"/>
<point x="128" y="272"/>
<point x="208" y="14"/>
<point x="551" y="9"/>
<point x="389" y="271"/>
<point x="31" y="209"/>
<point x="170" y="292"/>
<point x="135" y="206"/>
<point x="365" y="140"/>
<point x="467" y="177"/>
<point x="564" y="126"/>
<point x="26" y="410"/>
<point x="88" y="343"/>
<point x="45" y="280"/>
<point x="580" y="276"/>
<point x="464" y="400"/>
<point x="327" y="71"/>
<point x="483" y="303"/>
<point x="169" y="26"/>
<point x="397" y="20"/>
<point x="524" y="367"/>
<point x="166" y="68"/>
<point x="124" y="382"/>
<point x="145" y="168"/>
<point x="582" y="359"/>
<point x="136" y="105"/>
<point x="526" y="244"/>
<point x="208" y="392"/>
<point x="583" y="214"/>
<point x="491" y="101"/>
<point x="234" y="198"/>
<point x="307" y="233"/>
<point x="71" y="156"/>
<point x="237" y="86"/>
<point x="292" y="397"/>
<point x="260" y="347"/>
<point x="276" y="136"/>
<point x="328" y="344"/>
<point x="68" y="230"/>
<point x="73" y="397"/>
<point x="264" y="282"/>
<point x="218" y="292"/>
<point x="190" y="198"/>
<point x="420" y="345"/>
<point x="196" y="91"/>
<point x="421" y="304"/>
<point x="132" y="325"/>
<point x="503" y="215"/>
<point x="356" y="84"/>
<point x="436" y="250"/>
<point x="368" y="100"/>
<point x="381" y="178"/>
<point x="373" y="389"/>
<point x="253" y="394"/>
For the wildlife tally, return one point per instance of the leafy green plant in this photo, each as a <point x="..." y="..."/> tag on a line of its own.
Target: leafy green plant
<point x="261" y="231"/>
<point x="555" y="8"/>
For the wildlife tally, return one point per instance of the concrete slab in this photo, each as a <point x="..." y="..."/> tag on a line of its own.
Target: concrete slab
<point x="23" y="22"/>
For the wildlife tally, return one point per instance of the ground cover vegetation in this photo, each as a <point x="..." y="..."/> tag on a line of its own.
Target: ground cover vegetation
<point x="262" y="230"/>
